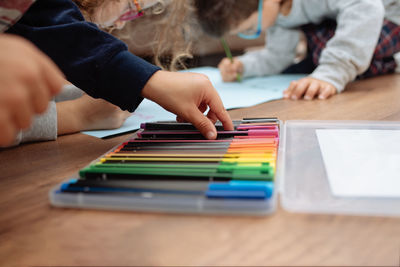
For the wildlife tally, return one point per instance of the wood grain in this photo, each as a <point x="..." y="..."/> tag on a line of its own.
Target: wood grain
<point x="33" y="233"/>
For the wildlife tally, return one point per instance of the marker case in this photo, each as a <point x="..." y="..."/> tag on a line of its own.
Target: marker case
<point x="300" y="178"/>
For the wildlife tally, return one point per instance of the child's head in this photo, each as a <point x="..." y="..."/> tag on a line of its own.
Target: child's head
<point x="218" y="17"/>
<point x="112" y="14"/>
<point x="164" y="26"/>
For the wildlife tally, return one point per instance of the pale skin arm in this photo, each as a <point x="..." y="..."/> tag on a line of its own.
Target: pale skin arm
<point x="309" y="88"/>
<point x="86" y="113"/>
<point x="188" y="95"/>
<point x="28" y="80"/>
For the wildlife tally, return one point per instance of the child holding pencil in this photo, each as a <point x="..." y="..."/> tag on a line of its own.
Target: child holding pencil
<point x="101" y="65"/>
<point x="347" y="39"/>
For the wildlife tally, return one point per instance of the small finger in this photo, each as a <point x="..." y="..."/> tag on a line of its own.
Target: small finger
<point x="301" y="87"/>
<point x="287" y="93"/>
<point x="212" y="117"/>
<point x="218" y="109"/>
<point x="326" y="92"/>
<point x="203" y="124"/>
<point x="312" y="91"/>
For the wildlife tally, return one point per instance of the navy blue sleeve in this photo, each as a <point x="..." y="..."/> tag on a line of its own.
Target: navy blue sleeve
<point x="91" y="59"/>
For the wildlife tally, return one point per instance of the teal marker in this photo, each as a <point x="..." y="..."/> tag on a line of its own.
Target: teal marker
<point x="229" y="55"/>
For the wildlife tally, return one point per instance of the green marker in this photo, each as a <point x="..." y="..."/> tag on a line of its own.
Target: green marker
<point x="229" y="55"/>
<point x="262" y="172"/>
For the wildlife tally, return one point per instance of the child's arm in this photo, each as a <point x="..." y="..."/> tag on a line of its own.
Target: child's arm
<point x="309" y="88"/>
<point x="91" y="59"/>
<point x="72" y="112"/>
<point x="278" y="54"/>
<point x="87" y="113"/>
<point x="349" y="52"/>
<point x="95" y="62"/>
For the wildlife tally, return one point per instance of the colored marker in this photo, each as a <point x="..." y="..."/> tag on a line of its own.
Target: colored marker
<point x="231" y="189"/>
<point x="196" y="134"/>
<point x="229" y="55"/>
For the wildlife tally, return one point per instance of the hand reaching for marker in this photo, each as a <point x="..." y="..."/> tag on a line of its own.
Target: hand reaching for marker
<point x="189" y="95"/>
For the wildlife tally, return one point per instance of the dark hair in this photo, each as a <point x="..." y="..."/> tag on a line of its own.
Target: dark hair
<point x="218" y="17"/>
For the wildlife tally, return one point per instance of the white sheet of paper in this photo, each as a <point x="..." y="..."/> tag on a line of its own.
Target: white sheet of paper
<point x="361" y="163"/>
<point x="247" y="93"/>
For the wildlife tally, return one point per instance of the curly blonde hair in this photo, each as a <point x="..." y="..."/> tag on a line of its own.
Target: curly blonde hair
<point x="166" y="28"/>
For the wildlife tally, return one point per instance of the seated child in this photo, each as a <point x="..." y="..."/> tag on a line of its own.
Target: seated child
<point x="346" y="39"/>
<point x="100" y="64"/>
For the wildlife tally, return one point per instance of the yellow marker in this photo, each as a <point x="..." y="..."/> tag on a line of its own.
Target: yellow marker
<point x="218" y="159"/>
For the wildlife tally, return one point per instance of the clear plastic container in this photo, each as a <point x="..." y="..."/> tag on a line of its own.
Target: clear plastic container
<point x="304" y="181"/>
<point x="301" y="180"/>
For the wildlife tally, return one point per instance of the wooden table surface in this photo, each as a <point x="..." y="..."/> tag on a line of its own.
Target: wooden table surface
<point x="33" y="233"/>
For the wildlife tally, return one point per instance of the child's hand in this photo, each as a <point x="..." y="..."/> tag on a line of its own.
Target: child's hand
<point x="87" y="113"/>
<point x="28" y="79"/>
<point x="188" y="95"/>
<point x="309" y="88"/>
<point x="229" y="70"/>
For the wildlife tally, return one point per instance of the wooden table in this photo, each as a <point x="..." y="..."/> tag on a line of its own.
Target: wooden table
<point x="33" y="233"/>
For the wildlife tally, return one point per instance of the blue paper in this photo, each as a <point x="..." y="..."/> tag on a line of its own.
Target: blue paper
<point x="249" y="92"/>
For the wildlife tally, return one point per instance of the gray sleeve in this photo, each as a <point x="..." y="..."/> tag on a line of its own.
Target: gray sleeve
<point x="392" y="10"/>
<point x="278" y="54"/>
<point x="69" y="92"/>
<point x="350" y="51"/>
<point x="44" y="126"/>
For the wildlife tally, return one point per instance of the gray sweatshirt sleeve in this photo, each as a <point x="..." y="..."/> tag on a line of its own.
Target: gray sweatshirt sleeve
<point x="278" y="54"/>
<point x="44" y="126"/>
<point x="350" y="51"/>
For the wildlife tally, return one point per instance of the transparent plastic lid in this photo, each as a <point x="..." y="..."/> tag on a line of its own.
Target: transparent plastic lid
<point x="303" y="177"/>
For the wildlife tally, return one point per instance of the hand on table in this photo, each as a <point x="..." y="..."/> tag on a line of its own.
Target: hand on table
<point x="309" y="88"/>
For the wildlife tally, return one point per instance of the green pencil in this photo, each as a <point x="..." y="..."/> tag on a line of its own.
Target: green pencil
<point x="229" y="55"/>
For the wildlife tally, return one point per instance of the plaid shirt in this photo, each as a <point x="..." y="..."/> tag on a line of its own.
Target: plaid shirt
<point x="382" y="62"/>
<point x="11" y="11"/>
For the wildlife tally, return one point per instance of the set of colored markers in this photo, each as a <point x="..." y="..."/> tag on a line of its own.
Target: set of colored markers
<point x="169" y="160"/>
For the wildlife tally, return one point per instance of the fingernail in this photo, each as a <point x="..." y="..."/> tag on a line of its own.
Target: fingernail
<point x="307" y="97"/>
<point x="211" y="135"/>
<point x="294" y="97"/>
<point x="321" y="97"/>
